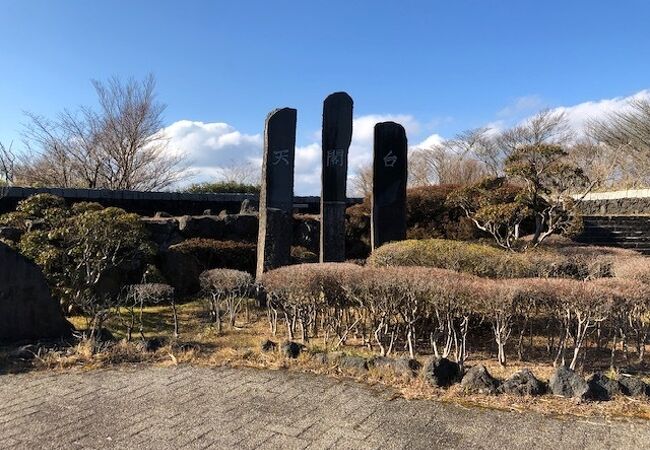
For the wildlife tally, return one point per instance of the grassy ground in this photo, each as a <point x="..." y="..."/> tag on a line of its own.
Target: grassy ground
<point x="199" y="343"/>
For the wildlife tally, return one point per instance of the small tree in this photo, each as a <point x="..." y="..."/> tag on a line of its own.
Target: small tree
<point x="551" y="189"/>
<point x="136" y="296"/>
<point x="94" y="243"/>
<point x="78" y="247"/>
<point x="549" y="180"/>
<point x="494" y="207"/>
<point x="497" y="302"/>
<point x="580" y="306"/>
<point x="227" y="288"/>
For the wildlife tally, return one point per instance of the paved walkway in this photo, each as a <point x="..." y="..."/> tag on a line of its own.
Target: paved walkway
<point x="189" y="407"/>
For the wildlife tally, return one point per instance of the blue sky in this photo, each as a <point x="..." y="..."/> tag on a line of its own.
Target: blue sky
<point x="440" y="66"/>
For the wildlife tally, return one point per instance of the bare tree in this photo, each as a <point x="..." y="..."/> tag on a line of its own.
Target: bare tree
<point x="599" y="163"/>
<point x="240" y="173"/>
<point x="419" y="173"/>
<point x="444" y="164"/>
<point x="545" y="127"/>
<point x="7" y="168"/>
<point x="118" y="146"/>
<point x="361" y="182"/>
<point x="479" y="144"/>
<point x="626" y="135"/>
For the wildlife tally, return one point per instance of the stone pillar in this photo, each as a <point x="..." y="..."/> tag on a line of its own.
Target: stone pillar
<point x="389" y="176"/>
<point x="276" y="196"/>
<point x="337" y="135"/>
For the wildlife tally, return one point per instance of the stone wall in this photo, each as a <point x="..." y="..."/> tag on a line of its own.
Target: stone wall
<point x="148" y="203"/>
<point x="624" y="231"/>
<point x="616" y="207"/>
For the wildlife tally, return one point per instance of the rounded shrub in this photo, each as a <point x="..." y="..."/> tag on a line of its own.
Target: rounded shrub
<point x="472" y="258"/>
<point x="211" y="253"/>
<point x="488" y="261"/>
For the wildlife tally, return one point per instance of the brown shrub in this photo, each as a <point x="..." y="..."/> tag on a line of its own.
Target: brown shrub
<point x="634" y="267"/>
<point x="226" y="289"/>
<point x="303" y="291"/>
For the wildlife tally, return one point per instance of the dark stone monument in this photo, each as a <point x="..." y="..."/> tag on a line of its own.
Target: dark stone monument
<point x="389" y="176"/>
<point x="337" y="136"/>
<point x="27" y="311"/>
<point x="276" y="196"/>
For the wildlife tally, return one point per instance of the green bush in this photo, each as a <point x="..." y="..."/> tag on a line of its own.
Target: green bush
<point x="488" y="261"/>
<point x="223" y="187"/>
<point x="212" y="254"/>
<point x="39" y="205"/>
<point x="429" y="215"/>
<point x="476" y="259"/>
<point x="87" y="253"/>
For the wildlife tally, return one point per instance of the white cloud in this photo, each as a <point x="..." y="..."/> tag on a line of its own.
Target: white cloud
<point x="431" y="141"/>
<point x="209" y="147"/>
<point x="578" y="115"/>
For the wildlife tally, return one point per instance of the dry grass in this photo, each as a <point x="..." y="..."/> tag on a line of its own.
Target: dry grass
<point x="201" y="345"/>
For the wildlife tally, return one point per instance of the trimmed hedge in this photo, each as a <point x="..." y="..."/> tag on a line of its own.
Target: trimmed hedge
<point x="420" y="306"/>
<point x="214" y="254"/>
<point x="183" y="263"/>
<point x="488" y="261"/>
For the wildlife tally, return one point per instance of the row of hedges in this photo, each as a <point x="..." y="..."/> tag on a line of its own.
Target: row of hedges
<point x="445" y="311"/>
<point x="491" y="262"/>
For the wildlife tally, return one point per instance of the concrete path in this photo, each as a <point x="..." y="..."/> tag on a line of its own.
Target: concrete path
<point x="190" y="407"/>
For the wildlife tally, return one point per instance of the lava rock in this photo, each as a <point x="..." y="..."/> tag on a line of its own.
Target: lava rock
<point x="601" y="387"/>
<point x="163" y="231"/>
<point x="25" y="352"/>
<point x="291" y="349"/>
<point x="567" y="383"/>
<point x="401" y="366"/>
<point x="442" y="372"/>
<point x="633" y="386"/>
<point x="352" y="363"/>
<point x="10" y="234"/>
<point x="207" y="227"/>
<point x="27" y="310"/>
<point x="269" y="346"/>
<point x="478" y="379"/>
<point x="238" y="227"/>
<point x="523" y="382"/>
